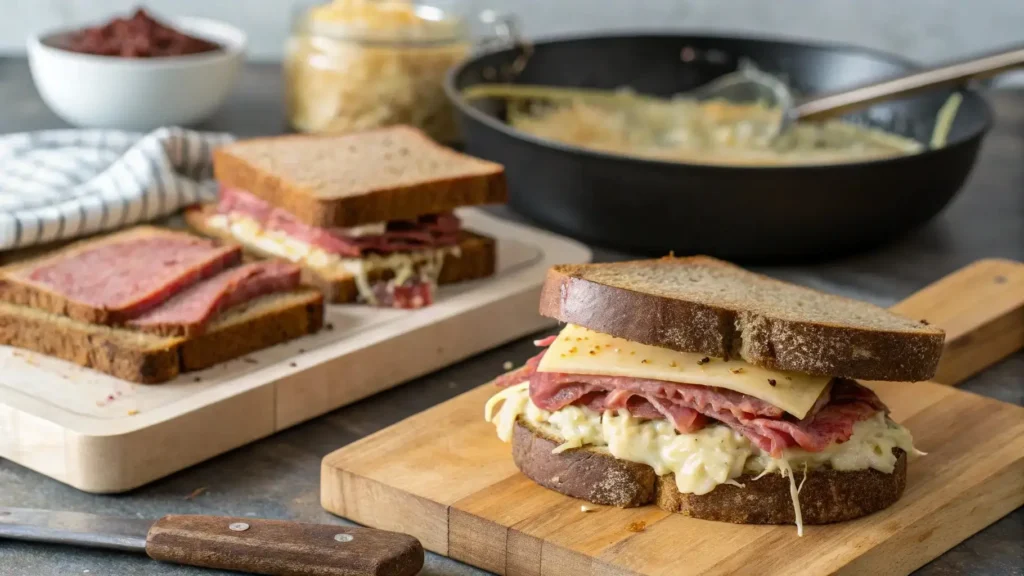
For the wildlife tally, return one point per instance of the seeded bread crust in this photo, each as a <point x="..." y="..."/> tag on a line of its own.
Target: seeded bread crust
<point x="826" y="496"/>
<point x="150" y="359"/>
<point x="373" y="176"/>
<point x="703" y="305"/>
<point x="477" y="259"/>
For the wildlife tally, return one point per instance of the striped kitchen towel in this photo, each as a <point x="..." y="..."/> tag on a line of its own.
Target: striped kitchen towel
<point x="63" y="184"/>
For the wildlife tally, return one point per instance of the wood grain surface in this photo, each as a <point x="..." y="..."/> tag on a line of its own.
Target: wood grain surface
<point x="278" y="547"/>
<point x="444" y="477"/>
<point x="96" y="432"/>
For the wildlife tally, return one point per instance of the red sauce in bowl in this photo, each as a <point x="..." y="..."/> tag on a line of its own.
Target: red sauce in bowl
<point x="140" y="36"/>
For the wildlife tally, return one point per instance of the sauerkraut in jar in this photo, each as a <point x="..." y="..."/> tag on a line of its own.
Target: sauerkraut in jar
<point x="359" y="64"/>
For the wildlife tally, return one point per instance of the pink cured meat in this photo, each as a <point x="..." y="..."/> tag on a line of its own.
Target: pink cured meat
<point x="430" y="231"/>
<point x="130" y="277"/>
<point x="189" y="312"/>
<point x="689" y="406"/>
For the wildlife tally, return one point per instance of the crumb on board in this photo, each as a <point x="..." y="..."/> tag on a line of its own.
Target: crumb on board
<point x="585" y="508"/>
<point x="196" y="493"/>
<point x="508" y="365"/>
<point x="638" y="526"/>
<point x="133" y="412"/>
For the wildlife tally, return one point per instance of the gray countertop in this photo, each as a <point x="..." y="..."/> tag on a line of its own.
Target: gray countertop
<point x="279" y="477"/>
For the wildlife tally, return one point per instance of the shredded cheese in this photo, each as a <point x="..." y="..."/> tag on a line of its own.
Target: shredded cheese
<point x="700" y="461"/>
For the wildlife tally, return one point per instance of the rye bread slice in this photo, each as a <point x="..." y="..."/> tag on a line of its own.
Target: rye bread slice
<point x="477" y="259"/>
<point x="827" y="495"/>
<point x="386" y="174"/>
<point x="707" y="306"/>
<point x="16" y="286"/>
<point x="150" y="359"/>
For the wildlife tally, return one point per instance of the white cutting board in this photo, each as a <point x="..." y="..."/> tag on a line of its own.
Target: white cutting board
<point x="101" y="434"/>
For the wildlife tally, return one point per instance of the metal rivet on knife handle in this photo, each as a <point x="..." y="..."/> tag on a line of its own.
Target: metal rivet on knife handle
<point x="279" y="547"/>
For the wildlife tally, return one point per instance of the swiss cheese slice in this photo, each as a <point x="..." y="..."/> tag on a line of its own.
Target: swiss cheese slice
<point x="578" y="350"/>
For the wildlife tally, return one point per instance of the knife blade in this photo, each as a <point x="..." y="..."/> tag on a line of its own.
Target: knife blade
<point x="251" y="545"/>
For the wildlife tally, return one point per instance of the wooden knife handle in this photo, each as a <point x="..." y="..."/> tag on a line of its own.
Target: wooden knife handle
<point x="280" y="547"/>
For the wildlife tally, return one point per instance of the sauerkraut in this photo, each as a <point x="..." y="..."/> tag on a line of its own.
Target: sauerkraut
<point x="359" y="64"/>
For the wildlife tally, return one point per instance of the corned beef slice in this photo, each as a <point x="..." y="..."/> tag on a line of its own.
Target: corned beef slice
<point x="190" y="311"/>
<point x="688" y="406"/>
<point x="130" y="277"/>
<point x="430" y="231"/>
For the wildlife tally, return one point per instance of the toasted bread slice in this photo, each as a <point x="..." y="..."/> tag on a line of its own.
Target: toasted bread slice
<point x="17" y="288"/>
<point x="703" y="305"/>
<point x="826" y="496"/>
<point x="391" y="173"/>
<point x="147" y="358"/>
<point x="477" y="258"/>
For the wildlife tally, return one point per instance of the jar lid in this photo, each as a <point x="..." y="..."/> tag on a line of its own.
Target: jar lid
<point x="384" y="21"/>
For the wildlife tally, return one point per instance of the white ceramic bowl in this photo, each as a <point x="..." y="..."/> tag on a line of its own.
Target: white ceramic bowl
<point x="138" y="93"/>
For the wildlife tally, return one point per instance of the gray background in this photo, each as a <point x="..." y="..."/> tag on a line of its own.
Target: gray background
<point x="925" y="30"/>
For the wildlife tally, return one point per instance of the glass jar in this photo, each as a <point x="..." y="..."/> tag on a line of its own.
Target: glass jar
<point x="360" y="64"/>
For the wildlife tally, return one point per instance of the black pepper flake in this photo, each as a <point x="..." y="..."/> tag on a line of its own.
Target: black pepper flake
<point x="302" y="350"/>
<point x="292" y="364"/>
<point x="925" y="322"/>
<point x="703" y="361"/>
<point x="645" y="361"/>
<point x="248" y="360"/>
<point x="771" y="381"/>
<point x="197" y="379"/>
<point x="329" y="327"/>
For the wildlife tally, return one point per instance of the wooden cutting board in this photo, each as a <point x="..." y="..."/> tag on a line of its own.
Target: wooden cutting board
<point x="101" y="434"/>
<point x="444" y="477"/>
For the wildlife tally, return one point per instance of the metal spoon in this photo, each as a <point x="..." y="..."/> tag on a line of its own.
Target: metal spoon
<point x="748" y="84"/>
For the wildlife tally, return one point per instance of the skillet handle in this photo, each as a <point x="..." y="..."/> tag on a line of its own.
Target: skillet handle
<point x="839" y="103"/>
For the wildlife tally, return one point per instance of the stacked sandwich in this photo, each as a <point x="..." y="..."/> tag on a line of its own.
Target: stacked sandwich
<point x="148" y="303"/>
<point x="366" y="215"/>
<point x="713" y="392"/>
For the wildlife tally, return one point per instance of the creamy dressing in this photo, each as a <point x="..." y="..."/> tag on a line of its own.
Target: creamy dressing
<point x="702" y="460"/>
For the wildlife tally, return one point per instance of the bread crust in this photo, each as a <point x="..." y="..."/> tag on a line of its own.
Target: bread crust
<point x="763" y="339"/>
<point x="827" y="495"/>
<point x="584" y="474"/>
<point x="477" y="259"/>
<point x="483" y="183"/>
<point x="148" y="359"/>
<point x="23" y="293"/>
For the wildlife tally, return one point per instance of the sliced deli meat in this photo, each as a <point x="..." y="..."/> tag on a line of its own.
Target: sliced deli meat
<point x="188" y="313"/>
<point x="431" y="231"/>
<point x="691" y="407"/>
<point x="118" y="278"/>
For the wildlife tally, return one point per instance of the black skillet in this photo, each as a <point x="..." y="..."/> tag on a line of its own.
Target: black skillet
<point x="755" y="214"/>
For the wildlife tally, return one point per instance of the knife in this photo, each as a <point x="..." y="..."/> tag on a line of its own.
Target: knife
<point x="249" y="545"/>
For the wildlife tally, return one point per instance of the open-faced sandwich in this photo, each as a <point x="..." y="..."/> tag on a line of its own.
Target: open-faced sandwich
<point x="713" y="392"/>
<point x="148" y="303"/>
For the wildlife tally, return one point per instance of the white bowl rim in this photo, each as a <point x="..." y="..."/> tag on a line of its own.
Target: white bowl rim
<point x="233" y="42"/>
